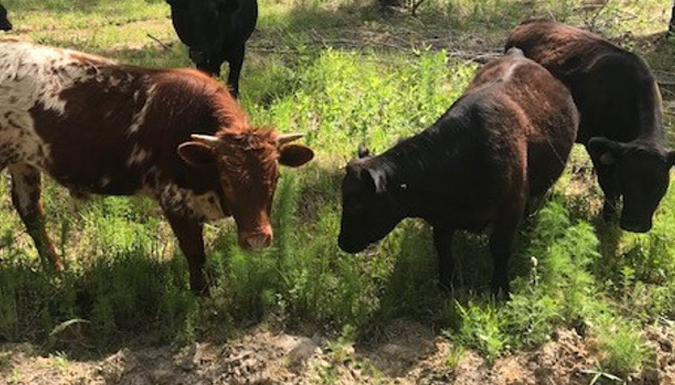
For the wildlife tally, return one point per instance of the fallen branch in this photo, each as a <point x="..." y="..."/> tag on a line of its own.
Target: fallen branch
<point x="415" y="5"/>
<point x="166" y="47"/>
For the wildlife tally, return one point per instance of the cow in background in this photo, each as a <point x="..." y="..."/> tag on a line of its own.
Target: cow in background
<point x="506" y="139"/>
<point x="174" y="135"/>
<point x="620" y="107"/>
<point x="5" y="25"/>
<point x="671" y="25"/>
<point x="215" y="31"/>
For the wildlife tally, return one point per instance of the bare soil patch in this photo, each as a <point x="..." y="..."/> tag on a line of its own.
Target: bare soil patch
<point x="410" y="353"/>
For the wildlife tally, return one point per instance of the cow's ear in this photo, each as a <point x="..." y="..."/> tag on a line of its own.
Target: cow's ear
<point x="294" y="155"/>
<point x="374" y="179"/>
<point x="605" y="150"/>
<point x="196" y="154"/>
<point x="362" y="151"/>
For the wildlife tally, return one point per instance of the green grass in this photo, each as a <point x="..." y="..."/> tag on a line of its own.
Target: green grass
<point x="341" y="72"/>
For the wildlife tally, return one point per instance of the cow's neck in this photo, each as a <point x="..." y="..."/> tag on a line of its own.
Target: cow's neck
<point x="420" y="171"/>
<point x="649" y="115"/>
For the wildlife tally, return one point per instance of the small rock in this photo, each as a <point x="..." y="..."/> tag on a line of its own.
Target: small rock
<point x="191" y="358"/>
<point x="162" y="376"/>
<point x="395" y="350"/>
<point x="186" y="364"/>
<point x="303" y="350"/>
<point x="114" y="367"/>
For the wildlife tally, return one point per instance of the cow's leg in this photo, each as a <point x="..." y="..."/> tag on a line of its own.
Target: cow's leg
<point x="501" y="244"/>
<point x="443" y="244"/>
<point x="610" y="187"/>
<point x="26" y="189"/>
<point x="189" y="234"/>
<point x="209" y="68"/>
<point x="671" y="27"/>
<point x="236" y="61"/>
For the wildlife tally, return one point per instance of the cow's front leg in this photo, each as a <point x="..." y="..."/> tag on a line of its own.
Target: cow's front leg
<point x="189" y="234"/>
<point x="26" y="191"/>
<point x="443" y="244"/>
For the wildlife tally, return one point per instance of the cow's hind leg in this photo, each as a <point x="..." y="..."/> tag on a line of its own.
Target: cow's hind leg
<point x="501" y="244"/>
<point x="189" y="234"/>
<point x="236" y="61"/>
<point x="26" y="197"/>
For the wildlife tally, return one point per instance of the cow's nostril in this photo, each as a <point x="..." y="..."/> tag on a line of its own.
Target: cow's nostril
<point x="259" y="241"/>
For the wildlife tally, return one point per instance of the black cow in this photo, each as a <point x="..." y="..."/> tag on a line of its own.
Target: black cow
<point x="620" y="107"/>
<point x="507" y="138"/>
<point x="671" y="26"/>
<point x="215" y="31"/>
<point x="5" y="25"/>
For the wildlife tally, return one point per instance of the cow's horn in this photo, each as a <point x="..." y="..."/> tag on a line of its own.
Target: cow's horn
<point x="206" y="139"/>
<point x="287" y="138"/>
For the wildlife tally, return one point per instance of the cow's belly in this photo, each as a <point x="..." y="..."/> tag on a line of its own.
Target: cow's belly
<point x="477" y="222"/>
<point x="468" y="216"/>
<point x="202" y="205"/>
<point x="100" y="184"/>
<point x="205" y="206"/>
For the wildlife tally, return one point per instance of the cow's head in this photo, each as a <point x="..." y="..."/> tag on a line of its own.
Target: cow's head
<point x="5" y="25"/>
<point x="642" y="177"/>
<point x="248" y="168"/>
<point x="369" y="210"/>
<point x="199" y="24"/>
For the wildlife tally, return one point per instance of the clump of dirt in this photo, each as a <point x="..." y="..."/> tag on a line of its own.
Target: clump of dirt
<point x="558" y="362"/>
<point x="409" y="353"/>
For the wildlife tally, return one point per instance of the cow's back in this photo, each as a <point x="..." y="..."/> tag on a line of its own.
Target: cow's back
<point x="69" y="114"/>
<point x="99" y="127"/>
<point x="529" y="110"/>
<point x="613" y="89"/>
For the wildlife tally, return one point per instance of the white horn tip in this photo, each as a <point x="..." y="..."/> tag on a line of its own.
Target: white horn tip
<point x="286" y="138"/>
<point x="204" y="138"/>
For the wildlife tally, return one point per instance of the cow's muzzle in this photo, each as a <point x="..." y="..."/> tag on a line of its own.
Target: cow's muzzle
<point x="257" y="241"/>
<point x="636" y="226"/>
<point x="6" y="26"/>
<point x="351" y="247"/>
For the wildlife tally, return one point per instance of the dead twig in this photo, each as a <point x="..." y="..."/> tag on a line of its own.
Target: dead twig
<point x="415" y="6"/>
<point x="166" y="47"/>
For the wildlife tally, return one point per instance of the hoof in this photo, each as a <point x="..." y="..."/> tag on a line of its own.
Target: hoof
<point x="444" y="287"/>
<point x="501" y="291"/>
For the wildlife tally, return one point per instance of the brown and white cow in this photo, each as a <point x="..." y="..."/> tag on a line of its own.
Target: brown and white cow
<point x="103" y="128"/>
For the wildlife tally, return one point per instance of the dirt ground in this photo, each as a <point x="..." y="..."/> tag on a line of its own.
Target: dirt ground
<point x="410" y="353"/>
